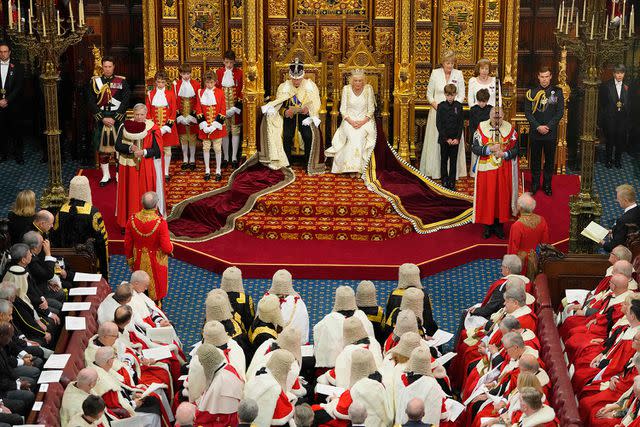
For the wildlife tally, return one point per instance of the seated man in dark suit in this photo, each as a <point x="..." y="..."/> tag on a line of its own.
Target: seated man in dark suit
<point x="42" y="270"/>
<point x="626" y="196"/>
<point x="415" y="412"/>
<point x="15" y="392"/>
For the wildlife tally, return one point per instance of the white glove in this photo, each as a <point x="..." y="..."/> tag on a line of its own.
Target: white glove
<point x="203" y="125"/>
<point x="307" y="121"/>
<point x="210" y="129"/>
<point x="230" y="112"/>
<point x="216" y="125"/>
<point x="191" y="119"/>
<point x="236" y="110"/>
<point x="268" y="110"/>
<point x="181" y="120"/>
<point x="165" y="129"/>
<point x="316" y="121"/>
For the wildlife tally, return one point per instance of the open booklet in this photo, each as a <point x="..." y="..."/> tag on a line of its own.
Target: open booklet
<point x="595" y="232"/>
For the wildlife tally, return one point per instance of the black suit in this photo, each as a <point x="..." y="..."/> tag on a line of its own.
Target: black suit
<point x="11" y="90"/>
<point x="416" y="424"/>
<point x="495" y="303"/>
<point x="614" y="117"/>
<point x="620" y="229"/>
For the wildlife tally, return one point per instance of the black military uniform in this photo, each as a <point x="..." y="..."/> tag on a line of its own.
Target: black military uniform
<point x="10" y="116"/>
<point x="614" y="117"/>
<point x="543" y="106"/>
<point x="450" y="123"/>
<point x="76" y="222"/>
<point x="107" y="97"/>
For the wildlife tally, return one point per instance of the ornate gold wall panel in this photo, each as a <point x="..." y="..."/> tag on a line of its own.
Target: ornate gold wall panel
<point x="170" y="43"/>
<point x="170" y="9"/>
<point x="492" y="11"/>
<point x="205" y="22"/>
<point x="331" y="7"/>
<point x="236" y="10"/>
<point x="172" y="71"/>
<point x="422" y="80"/>
<point x="491" y="45"/>
<point x="383" y="40"/>
<point x="423" y="45"/>
<point x="384" y="9"/>
<point x="278" y="36"/>
<point x="423" y="10"/>
<point x="236" y="41"/>
<point x="458" y="31"/>
<point x="277" y="8"/>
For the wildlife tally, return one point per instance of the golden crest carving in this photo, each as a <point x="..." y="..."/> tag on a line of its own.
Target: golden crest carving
<point x="492" y="11"/>
<point x="196" y="73"/>
<point x="491" y="45"/>
<point x="331" y="39"/>
<point x="170" y="9"/>
<point x="422" y="81"/>
<point x="236" y="41"/>
<point x="236" y="9"/>
<point x="423" y="45"/>
<point x="204" y="28"/>
<point x="384" y="9"/>
<point x="458" y="29"/>
<point x="170" y="43"/>
<point x="277" y="8"/>
<point x="309" y="37"/>
<point x="331" y="7"/>
<point x="423" y="10"/>
<point x="172" y="71"/>
<point x="278" y="37"/>
<point x="383" y="39"/>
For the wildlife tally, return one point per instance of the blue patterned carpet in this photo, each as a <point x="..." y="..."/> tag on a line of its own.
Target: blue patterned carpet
<point x="450" y="290"/>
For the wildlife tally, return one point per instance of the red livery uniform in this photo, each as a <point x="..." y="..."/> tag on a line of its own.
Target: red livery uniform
<point x="230" y="81"/>
<point x="186" y="123"/>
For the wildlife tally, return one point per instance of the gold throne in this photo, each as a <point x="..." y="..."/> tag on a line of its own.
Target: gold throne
<point x="313" y="69"/>
<point x="361" y="57"/>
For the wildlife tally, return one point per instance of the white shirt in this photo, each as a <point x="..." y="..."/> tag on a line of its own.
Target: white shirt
<point x="618" y="87"/>
<point x="4" y="70"/>
<point x="628" y="208"/>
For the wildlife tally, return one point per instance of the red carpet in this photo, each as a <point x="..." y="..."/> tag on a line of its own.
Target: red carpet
<point x="348" y="259"/>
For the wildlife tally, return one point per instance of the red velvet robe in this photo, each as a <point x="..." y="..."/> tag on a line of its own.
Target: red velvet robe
<point x="495" y="179"/>
<point x="525" y="235"/>
<point x="237" y="90"/>
<point x="147" y="246"/>
<point x="136" y="177"/>
<point x="597" y="394"/>
<point x="186" y="106"/>
<point x="164" y="116"/>
<point x="209" y="113"/>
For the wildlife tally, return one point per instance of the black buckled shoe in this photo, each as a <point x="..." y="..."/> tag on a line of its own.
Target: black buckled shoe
<point x="547" y="190"/>
<point x="235" y="164"/>
<point x="184" y="166"/>
<point x="167" y="178"/>
<point x="486" y="233"/>
<point x="224" y="164"/>
<point x="498" y="231"/>
<point x="192" y="166"/>
<point x="218" y="177"/>
<point x="207" y="176"/>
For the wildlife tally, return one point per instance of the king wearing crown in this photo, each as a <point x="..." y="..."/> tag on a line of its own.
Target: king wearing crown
<point x="293" y="112"/>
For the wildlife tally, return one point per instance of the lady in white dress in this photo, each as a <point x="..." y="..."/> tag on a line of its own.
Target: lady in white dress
<point x="440" y="77"/>
<point x="482" y="80"/>
<point x="355" y="139"/>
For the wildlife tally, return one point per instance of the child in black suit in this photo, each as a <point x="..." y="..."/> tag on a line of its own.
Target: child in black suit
<point x="450" y="122"/>
<point x="479" y="112"/>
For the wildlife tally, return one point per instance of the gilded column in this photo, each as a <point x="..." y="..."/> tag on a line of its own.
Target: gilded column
<point x="561" y="149"/>
<point x="510" y="72"/>
<point x="252" y="27"/>
<point x="404" y="78"/>
<point x="150" y="38"/>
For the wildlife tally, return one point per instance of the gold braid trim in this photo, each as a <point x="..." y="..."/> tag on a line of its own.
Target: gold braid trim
<point x="536" y="99"/>
<point x="105" y="90"/>
<point x="153" y="230"/>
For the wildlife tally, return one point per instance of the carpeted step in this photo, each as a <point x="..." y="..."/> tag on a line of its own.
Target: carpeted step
<point x="265" y="226"/>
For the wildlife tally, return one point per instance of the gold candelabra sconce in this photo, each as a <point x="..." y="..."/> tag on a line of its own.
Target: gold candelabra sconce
<point x="45" y="32"/>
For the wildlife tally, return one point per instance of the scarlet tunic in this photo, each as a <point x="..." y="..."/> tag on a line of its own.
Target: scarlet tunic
<point x="209" y="113"/>
<point x="136" y="176"/>
<point x="236" y="95"/>
<point x="186" y="106"/>
<point x="496" y="185"/>
<point x="164" y="116"/>
<point x="526" y="234"/>
<point x="147" y="246"/>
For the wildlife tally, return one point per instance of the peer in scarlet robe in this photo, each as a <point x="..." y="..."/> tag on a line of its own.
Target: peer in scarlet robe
<point x="161" y="108"/>
<point x="526" y="234"/>
<point x="185" y="91"/>
<point x="147" y="247"/>
<point x="139" y="143"/>
<point x="543" y="417"/>
<point x="495" y="143"/>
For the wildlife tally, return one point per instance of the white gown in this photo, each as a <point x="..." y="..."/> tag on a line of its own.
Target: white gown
<point x="350" y="147"/>
<point x="474" y="87"/>
<point x="430" y="159"/>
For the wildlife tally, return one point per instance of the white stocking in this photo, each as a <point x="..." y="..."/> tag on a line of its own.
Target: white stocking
<point x="192" y="147"/>
<point x="185" y="151"/>
<point x="235" y="142"/>
<point x="225" y="147"/>
<point x="206" y="154"/>
<point x="218" y="159"/>
<point x="106" y="176"/>
<point x="167" y="160"/>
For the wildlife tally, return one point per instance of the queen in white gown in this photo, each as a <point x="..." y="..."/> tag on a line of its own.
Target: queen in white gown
<point x="355" y="139"/>
<point x="440" y="77"/>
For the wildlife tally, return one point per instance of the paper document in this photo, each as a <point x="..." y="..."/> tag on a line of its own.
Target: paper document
<point x="445" y="358"/>
<point x="72" y="323"/>
<point x="454" y="408"/>
<point x="57" y="361"/>
<point x="37" y="406"/>
<point x="329" y="390"/>
<point x="485" y="420"/>
<point x="477" y="392"/>
<point x="162" y="334"/>
<point x="576" y="295"/>
<point x="84" y="290"/>
<point x="306" y="350"/>
<point x="182" y="377"/>
<point x="50" y="376"/>
<point x="43" y="388"/>
<point x="472" y="322"/>
<point x="76" y="306"/>
<point x="595" y="232"/>
<point x="87" y="277"/>
<point x="157" y="353"/>
<point x="439" y="338"/>
<point x="125" y="422"/>
<point x="152" y="388"/>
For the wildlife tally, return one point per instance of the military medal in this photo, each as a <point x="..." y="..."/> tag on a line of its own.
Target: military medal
<point x="619" y="105"/>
